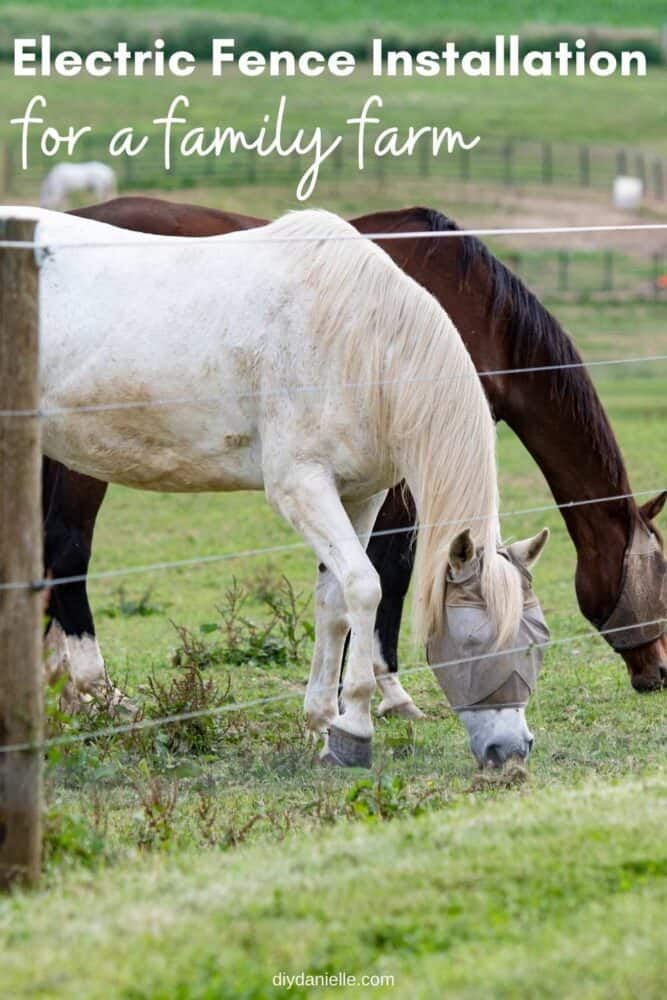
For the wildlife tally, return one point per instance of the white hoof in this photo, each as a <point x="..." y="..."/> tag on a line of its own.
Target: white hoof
<point x="404" y="710"/>
<point x="395" y="699"/>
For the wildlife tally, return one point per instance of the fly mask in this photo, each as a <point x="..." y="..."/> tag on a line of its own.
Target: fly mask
<point x="503" y="678"/>
<point x="643" y="594"/>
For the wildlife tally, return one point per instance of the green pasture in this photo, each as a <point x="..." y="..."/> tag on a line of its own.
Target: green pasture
<point x="200" y="860"/>
<point x="203" y="860"/>
<point x="483" y="14"/>
<point x="578" y="109"/>
<point x="573" y="112"/>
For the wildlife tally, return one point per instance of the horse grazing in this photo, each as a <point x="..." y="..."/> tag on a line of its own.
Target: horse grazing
<point x="304" y="348"/>
<point x="621" y="575"/>
<point x="486" y="684"/>
<point x="65" y="179"/>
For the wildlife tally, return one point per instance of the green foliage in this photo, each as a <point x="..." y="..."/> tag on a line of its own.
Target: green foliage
<point x="69" y="837"/>
<point x="300" y="28"/>
<point x="126" y="607"/>
<point x="384" y="796"/>
<point x="238" y="640"/>
<point x="158" y="799"/>
<point x="190" y="693"/>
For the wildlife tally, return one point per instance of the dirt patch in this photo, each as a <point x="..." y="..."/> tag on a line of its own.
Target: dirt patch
<point x="488" y="206"/>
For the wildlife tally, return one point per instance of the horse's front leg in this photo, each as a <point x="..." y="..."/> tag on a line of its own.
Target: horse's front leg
<point x="331" y="627"/>
<point x="308" y="498"/>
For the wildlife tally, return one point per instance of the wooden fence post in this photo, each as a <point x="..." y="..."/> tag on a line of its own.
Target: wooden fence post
<point x="21" y="669"/>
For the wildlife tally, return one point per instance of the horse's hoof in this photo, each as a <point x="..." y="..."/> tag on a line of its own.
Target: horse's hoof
<point x="343" y="749"/>
<point x="406" y="710"/>
<point x="125" y="707"/>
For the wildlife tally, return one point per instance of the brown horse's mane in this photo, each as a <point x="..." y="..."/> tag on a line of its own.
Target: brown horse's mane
<point x="535" y="339"/>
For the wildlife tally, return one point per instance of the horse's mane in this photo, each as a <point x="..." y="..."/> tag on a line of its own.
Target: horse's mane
<point x="535" y="338"/>
<point x="385" y="338"/>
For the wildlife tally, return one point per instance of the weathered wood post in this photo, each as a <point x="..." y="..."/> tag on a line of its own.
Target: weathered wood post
<point x="21" y="671"/>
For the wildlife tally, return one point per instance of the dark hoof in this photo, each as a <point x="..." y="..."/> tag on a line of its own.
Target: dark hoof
<point x="345" y="750"/>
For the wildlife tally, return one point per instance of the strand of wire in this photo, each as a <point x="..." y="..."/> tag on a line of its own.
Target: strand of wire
<point x="142" y="724"/>
<point x="47" y="583"/>
<point x="245" y="236"/>
<point x="148" y="404"/>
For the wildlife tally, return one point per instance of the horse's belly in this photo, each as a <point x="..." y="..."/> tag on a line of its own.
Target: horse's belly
<point x="153" y="454"/>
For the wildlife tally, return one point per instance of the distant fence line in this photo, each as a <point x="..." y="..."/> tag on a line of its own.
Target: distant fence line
<point x="511" y="161"/>
<point x="581" y="274"/>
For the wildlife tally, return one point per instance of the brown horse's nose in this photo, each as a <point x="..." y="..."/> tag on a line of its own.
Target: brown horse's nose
<point x="647" y="666"/>
<point x="655" y="681"/>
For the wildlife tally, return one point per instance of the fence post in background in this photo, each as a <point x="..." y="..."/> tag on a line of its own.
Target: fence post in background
<point x="339" y="163"/>
<point x="547" y="163"/>
<point x="621" y="162"/>
<point x="21" y="611"/>
<point x="424" y="160"/>
<point x="608" y="267"/>
<point x="127" y="171"/>
<point x="658" y="179"/>
<point x="464" y="164"/>
<point x="8" y="164"/>
<point x="379" y="166"/>
<point x="514" y="262"/>
<point x="251" y="167"/>
<point x="563" y="270"/>
<point x="584" y="166"/>
<point x="640" y="169"/>
<point x="657" y="272"/>
<point x="508" y="156"/>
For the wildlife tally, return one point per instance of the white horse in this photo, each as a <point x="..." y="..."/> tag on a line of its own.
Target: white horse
<point x="277" y="360"/>
<point x="67" y="178"/>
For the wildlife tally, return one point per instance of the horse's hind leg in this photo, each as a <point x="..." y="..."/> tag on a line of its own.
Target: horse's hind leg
<point x="309" y="500"/>
<point x="391" y="551"/>
<point x="70" y="513"/>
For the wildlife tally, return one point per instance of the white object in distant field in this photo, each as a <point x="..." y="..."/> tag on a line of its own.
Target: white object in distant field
<point x="67" y="178"/>
<point x="628" y="192"/>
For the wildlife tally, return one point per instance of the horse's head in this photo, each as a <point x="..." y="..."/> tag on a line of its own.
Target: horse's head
<point x="636" y="626"/>
<point x="488" y="687"/>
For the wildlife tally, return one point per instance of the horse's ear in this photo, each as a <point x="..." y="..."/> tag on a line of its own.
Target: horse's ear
<point x="461" y="550"/>
<point x="529" y="550"/>
<point x="652" y="508"/>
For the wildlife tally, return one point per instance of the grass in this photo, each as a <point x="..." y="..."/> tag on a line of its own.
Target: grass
<point x="494" y="109"/>
<point x="473" y="900"/>
<point x="202" y="861"/>
<point x="485" y="14"/>
<point x="495" y="106"/>
<point x="469" y="105"/>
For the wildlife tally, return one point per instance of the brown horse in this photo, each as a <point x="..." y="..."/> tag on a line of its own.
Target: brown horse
<point x="621" y="571"/>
